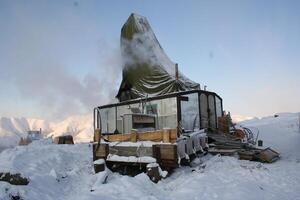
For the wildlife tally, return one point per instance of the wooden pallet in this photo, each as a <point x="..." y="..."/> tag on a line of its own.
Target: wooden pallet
<point x="148" y="147"/>
<point x="223" y="152"/>
<point x="226" y="144"/>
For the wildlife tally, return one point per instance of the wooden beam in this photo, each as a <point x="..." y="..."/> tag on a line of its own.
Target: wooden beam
<point x="155" y="136"/>
<point x="117" y="137"/>
<point x="136" y="151"/>
<point x="151" y="136"/>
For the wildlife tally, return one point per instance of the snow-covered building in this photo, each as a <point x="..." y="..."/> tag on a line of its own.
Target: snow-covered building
<point x="154" y="96"/>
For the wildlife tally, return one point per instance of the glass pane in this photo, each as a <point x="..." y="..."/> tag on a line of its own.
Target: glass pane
<point x="108" y="120"/>
<point x="204" y="111"/>
<point x="218" y="107"/>
<point x="212" y="114"/>
<point x="165" y="111"/>
<point x="125" y="110"/>
<point x="190" y="112"/>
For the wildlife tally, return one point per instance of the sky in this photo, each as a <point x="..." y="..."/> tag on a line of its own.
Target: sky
<point x="59" y="58"/>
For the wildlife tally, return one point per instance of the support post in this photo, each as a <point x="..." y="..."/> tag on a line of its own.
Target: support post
<point x="97" y="135"/>
<point x="133" y="136"/>
<point x="166" y="135"/>
<point x="176" y="71"/>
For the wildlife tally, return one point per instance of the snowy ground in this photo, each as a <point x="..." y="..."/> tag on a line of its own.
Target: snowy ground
<point x="65" y="172"/>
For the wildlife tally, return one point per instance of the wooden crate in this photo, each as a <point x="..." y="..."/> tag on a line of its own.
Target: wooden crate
<point x="267" y="155"/>
<point x="223" y="124"/>
<point x="100" y="151"/>
<point x="166" y="155"/>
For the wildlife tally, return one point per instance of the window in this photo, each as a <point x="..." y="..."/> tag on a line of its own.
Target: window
<point x="108" y="120"/>
<point x="212" y="112"/>
<point x="151" y="109"/>
<point x="204" y="110"/>
<point x="190" y="112"/>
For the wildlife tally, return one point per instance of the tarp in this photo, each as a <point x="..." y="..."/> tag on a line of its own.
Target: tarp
<point x="147" y="70"/>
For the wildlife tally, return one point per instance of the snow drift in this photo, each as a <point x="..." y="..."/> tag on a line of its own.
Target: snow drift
<point x="65" y="172"/>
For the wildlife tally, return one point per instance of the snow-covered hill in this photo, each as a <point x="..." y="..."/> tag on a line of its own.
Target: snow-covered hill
<point x="280" y="132"/>
<point x="240" y="118"/>
<point x="12" y="129"/>
<point x="65" y="172"/>
<point x="80" y="126"/>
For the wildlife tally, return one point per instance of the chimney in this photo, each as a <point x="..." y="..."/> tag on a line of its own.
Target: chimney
<point x="205" y="87"/>
<point x="176" y="71"/>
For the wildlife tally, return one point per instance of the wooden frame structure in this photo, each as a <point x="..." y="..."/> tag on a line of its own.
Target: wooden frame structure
<point x="179" y="97"/>
<point x="162" y="147"/>
<point x="166" y="146"/>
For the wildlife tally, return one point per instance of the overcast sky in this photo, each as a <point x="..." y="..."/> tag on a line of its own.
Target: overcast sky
<point x="59" y="58"/>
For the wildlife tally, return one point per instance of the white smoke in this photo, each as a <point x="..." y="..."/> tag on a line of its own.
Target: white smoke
<point x="144" y="48"/>
<point x="39" y="61"/>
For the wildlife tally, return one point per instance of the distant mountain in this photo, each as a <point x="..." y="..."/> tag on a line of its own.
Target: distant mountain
<point x="12" y="129"/>
<point x="240" y="118"/>
<point x="79" y="126"/>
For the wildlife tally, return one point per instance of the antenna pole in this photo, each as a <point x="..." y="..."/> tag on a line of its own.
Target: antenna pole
<point x="176" y="71"/>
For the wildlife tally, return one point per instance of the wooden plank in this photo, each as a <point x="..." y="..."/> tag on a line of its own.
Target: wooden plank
<point x="100" y="151"/>
<point x="246" y="155"/>
<point x="131" y="151"/>
<point x="117" y="137"/>
<point x="167" y="151"/>
<point x="156" y="153"/>
<point x="169" y="163"/>
<point x="155" y="136"/>
<point x="166" y="155"/>
<point x="133" y="136"/>
<point x="151" y="136"/>
<point x="223" y="124"/>
<point x="97" y="135"/>
<point x="225" y="152"/>
<point x="173" y="141"/>
<point x="166" y="135"/>
<point x="227" y="147"/>
<point x="173" y="134"/>
<point x="267" y="155"/>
